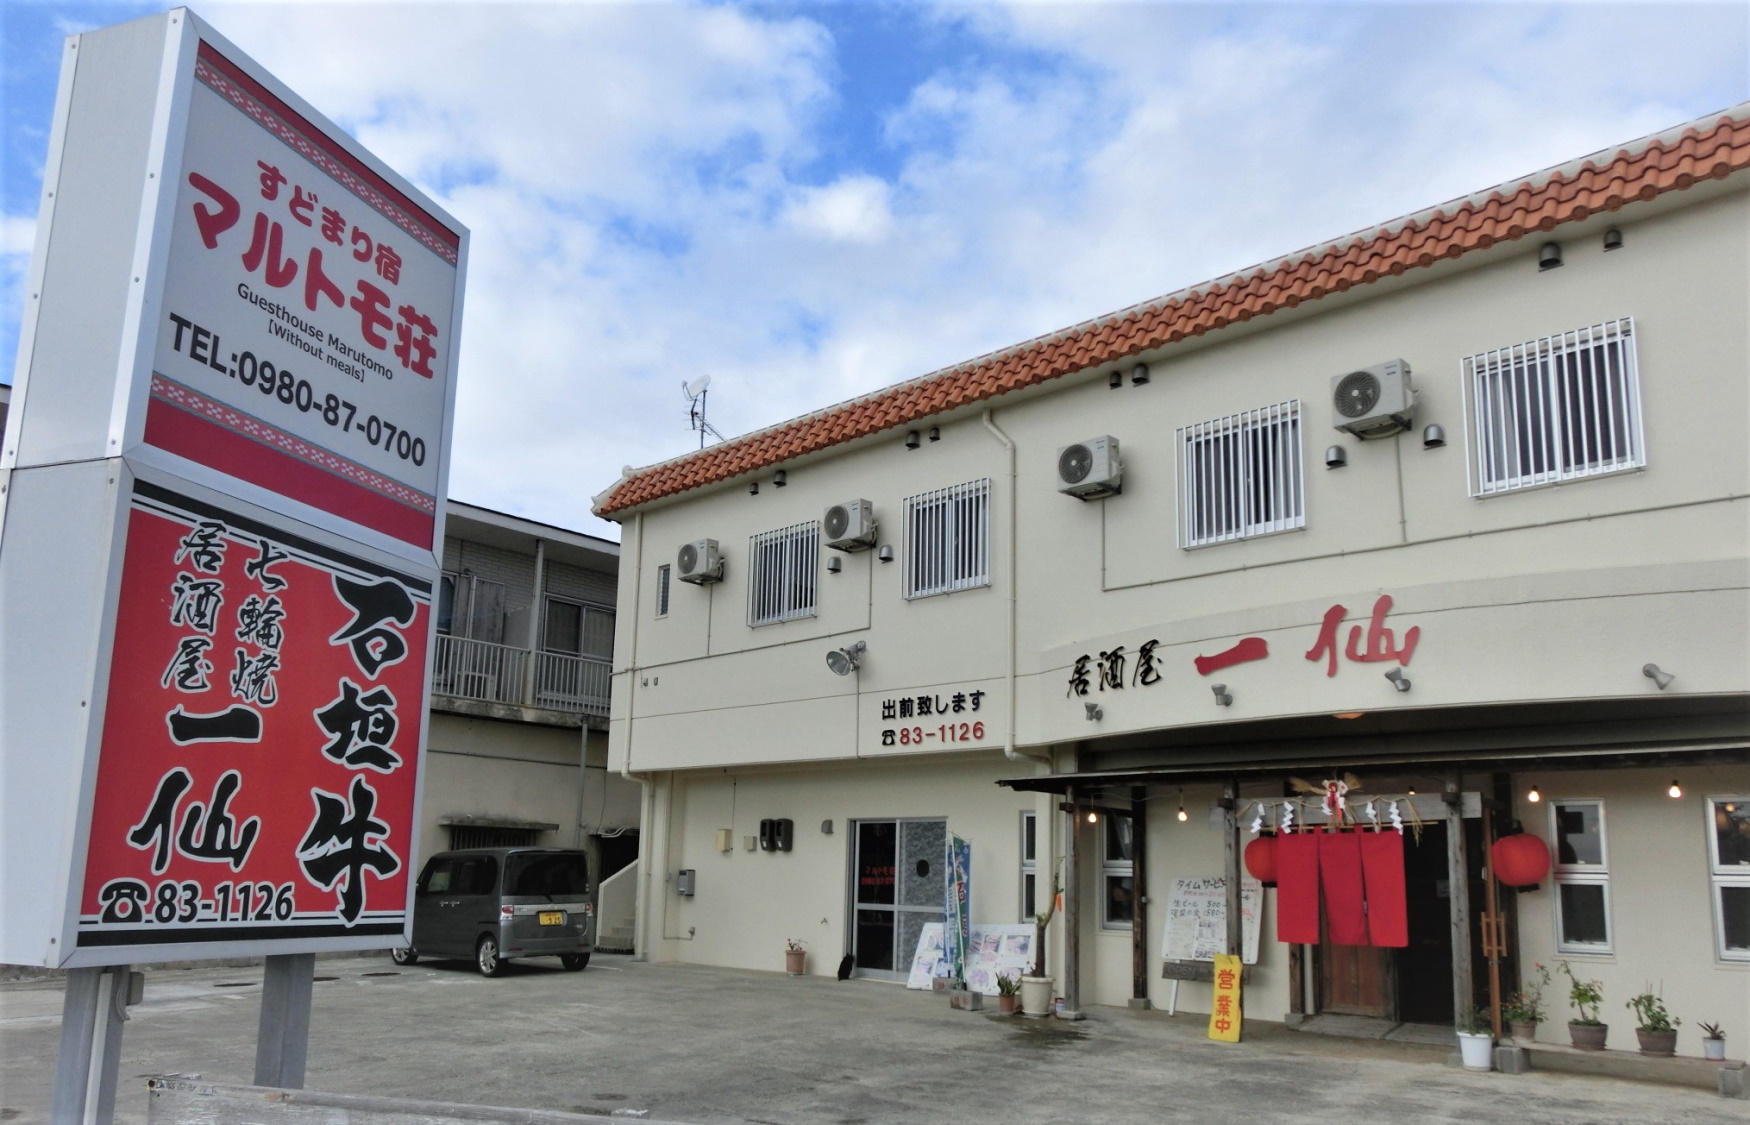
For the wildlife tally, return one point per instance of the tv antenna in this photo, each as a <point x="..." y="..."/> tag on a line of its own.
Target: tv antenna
<point x="696" y="392"/>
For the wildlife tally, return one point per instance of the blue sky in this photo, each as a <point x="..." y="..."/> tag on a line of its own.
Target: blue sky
<point x="812" y="200"/>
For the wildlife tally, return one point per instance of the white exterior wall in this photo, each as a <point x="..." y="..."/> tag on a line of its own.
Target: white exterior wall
<point x="1661" y="904"/>
<point x="524" y="772"/>
<point x="1556" y="594"/>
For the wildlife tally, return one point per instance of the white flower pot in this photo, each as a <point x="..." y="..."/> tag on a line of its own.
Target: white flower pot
<point x="1478" y="1051"/>
<point x="1714" y="1050"/>
<point x="1036" y="996"/>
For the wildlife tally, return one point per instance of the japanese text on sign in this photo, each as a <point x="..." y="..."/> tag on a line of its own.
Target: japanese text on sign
<point x="254" y="776"/>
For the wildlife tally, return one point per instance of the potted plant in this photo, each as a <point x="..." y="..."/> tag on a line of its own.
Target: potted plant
<point x="1476" y="1042"/>
<point x="1523" y="1010"/>
<point x="1713" y="1042"/>
<point x="1587" y="1032"/>
<point x="1036" y="989"/>
<point x="795" y="955"/>
<point x="1654" y="1026"/>
<point x="1008" y="992"/>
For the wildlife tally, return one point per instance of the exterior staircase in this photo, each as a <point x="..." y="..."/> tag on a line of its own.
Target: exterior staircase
<point x="616" y="906"/>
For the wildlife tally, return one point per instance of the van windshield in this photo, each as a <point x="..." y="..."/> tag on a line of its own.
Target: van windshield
<point x="563" y="874"/>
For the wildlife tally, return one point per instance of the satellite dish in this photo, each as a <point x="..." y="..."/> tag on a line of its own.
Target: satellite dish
<point x="697" y="386"/>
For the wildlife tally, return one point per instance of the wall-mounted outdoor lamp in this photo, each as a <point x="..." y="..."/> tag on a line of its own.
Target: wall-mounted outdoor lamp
<point x="1398" y="679"/>
<point x="1658" y="675"/>
<point x="1222" y="698"/>
<point x="844" y="661"/>
<point x="1094" y="712"/>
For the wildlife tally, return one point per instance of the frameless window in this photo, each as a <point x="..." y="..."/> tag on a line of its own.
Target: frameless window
<point x="437" y="877"/>
<point x="566" y="874"/>
<point x="475" y="875"/>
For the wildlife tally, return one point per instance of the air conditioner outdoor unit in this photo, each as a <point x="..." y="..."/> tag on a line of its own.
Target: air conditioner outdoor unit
<point x="1373" y="402"/>
<point x="699" y="562"/>
<point x="850" y="526"/>
<point x="1090" y="469"/>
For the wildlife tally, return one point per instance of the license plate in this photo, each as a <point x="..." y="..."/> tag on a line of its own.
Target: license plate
<point x="552" y="918"/>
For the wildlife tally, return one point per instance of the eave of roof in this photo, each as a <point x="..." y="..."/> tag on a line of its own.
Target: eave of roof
<point x="1713" y="147"/>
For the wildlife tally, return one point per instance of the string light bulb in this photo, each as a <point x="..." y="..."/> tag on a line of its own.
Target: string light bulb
<point x="1093" y="817"/>
<point x="1676" y="790"/>
<point x="1534" y="796"/>
<point x="1182" y="814"/>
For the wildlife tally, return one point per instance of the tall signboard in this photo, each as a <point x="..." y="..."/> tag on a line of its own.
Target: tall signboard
<point x="221" y="493"/>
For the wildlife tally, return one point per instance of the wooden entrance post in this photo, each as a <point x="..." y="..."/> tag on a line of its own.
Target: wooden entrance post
<point x="1230" y="841"/>
<point x="1458" y="890"/>
<point x="1072" y="913"/>
<point x="1138" y="897"/>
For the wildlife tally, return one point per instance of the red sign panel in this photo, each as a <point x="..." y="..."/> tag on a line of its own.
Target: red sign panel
<point x="260" y="749"/>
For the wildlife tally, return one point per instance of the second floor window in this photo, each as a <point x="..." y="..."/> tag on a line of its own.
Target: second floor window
<point x="947" y="539"/>
<point x="1240" y="476"/>
<point x="662" y="573"/>
<point x="783" y="571"/>
<point x="1555" y="409"/>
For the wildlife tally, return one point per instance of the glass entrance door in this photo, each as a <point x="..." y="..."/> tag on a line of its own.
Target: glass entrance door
<point x="897" y="888"/>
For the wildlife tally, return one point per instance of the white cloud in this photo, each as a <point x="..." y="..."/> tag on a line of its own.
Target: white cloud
<point x="656" y="191"/>
<point x="17" y="234"/>
<point x="850" y="209"/>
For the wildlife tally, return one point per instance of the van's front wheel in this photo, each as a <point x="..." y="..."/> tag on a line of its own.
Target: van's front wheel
<point x="574" y="962"/>
<point x="486" y="957"/>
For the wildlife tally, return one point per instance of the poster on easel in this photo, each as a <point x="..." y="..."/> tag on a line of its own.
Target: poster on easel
<point x="1196" y="928"/>
<point x="992" y="951"/>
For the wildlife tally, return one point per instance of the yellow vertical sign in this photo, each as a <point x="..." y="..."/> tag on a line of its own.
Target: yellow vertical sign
<point x="1224" y="1015"/>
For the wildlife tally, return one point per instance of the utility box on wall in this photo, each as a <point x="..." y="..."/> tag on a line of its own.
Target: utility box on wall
<point x="683" y="882"/>
<point x="777" y="835"/>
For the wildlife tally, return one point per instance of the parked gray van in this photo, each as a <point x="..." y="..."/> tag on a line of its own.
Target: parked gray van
<point x="493" y="904"/>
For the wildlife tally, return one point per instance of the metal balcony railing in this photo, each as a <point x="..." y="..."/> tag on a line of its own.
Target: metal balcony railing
<point x="497" y="673"/>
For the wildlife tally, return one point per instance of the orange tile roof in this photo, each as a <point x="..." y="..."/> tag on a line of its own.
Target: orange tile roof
<point x="1710" y="148"/>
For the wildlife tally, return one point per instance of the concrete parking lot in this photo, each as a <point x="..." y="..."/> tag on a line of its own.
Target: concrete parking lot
<point x="703" y="1045"/>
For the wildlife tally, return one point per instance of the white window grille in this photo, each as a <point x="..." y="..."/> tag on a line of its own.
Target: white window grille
<point x="1582" y="877"/>
<point x="1729" y="856"/>
<point x="947" y="539"/>
<point x="662" y="573"/>
<point x="1556" y="409"/>
<point x="783" y="573"/>
<point x="1240" y="476"/>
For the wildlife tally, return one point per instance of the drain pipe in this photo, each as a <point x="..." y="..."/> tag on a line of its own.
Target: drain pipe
<point x="647" y="803"/>
<point x="1009" y="750"/>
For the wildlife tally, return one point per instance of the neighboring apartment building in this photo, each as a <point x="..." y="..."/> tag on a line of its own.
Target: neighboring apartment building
<point x="1144" y="569"/>
<point x="516" y="751"/>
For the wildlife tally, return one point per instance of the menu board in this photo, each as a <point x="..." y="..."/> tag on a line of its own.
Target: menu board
<point x="1196" y="928"/>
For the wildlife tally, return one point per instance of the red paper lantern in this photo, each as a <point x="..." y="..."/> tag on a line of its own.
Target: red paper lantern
<point x="1521" y="860"/>
<point x="1261" y="859"/>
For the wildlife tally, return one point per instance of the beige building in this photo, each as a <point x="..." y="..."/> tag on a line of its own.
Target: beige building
<point x="1451" y="511"/>
<point x="516" y="749"/>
